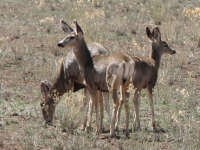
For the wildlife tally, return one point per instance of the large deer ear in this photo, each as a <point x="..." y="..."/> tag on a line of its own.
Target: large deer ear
<point x="78" y="28"/>
<point x="66" y="28"/>
<point x="149" y="34"/>
<point x="45" y="87"/>
<point x="156" y="34"/>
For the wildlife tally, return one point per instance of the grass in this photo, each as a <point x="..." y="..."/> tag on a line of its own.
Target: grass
<point x="29" y="33"/>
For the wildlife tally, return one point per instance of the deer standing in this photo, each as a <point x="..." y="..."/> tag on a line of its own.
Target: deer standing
<point x="69" y="79"/>
<point x="104" y="73"/>
<point x="146" y="73"/>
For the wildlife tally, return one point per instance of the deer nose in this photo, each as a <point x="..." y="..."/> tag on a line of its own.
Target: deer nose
<point x="174" y="52"/>
<point x="60" y="45"/>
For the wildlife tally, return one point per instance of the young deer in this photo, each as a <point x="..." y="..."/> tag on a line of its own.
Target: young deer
<point x="69" y="79"/>
<point x="104" y="73"/>
<point x="146" y="72"/>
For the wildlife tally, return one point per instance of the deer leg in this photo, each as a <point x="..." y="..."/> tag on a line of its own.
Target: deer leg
<point x="136" y="101"/>
<point x="116" y="104"/>
<point x="85" y="108"/>
<point x="152" y="108"/>
<point x="94" y="101"/>
<point x="89" y="116"/>
<point x="119" y="110"/>
<point x="107" y="104"/>
<point x="127" y="111"/>
<point x="100" y="98"/>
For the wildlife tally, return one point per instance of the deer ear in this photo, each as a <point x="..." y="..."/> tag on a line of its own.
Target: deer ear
<point x="156" y="34"/>
<point x="149" y="34"/>
<point x="65" y="27"/>
<point x="45" y="87"/>
<point x="78" y="28"/>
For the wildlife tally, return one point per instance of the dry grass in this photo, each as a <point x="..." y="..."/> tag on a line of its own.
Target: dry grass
<point x="29" y="33"/>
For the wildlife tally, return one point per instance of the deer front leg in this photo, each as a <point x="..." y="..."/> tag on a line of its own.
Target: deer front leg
<point x="89" y="116"/>
<point x="85" y="109"/>
<point x="93" y="101"/>
<point x="136" y="101"/>
<point x="94" y="97"/>
<point x="152" y="109"/>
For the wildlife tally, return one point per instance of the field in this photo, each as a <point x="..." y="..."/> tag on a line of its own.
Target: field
<point x="29" y="33"/>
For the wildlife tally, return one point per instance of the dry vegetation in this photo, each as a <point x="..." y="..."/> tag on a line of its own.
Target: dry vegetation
<point x="29" y="32"/>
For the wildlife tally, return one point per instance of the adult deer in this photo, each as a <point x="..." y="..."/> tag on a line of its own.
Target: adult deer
<point x="146" y="73"/>
<point x="69" y="79"/>
<point x="104" y="73"/>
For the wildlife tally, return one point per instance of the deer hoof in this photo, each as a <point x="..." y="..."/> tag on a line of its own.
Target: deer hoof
<point x="116" y="128"/>
<point x="137" y="129"/>
<point x="88" y="128"/>
<point x="154" y="125"/>
<point x="82" y="126"/>
<point x="48" y="123"/>
<point x="127" y="135"/>
<point x="112" y="134"/>
<point x="99" y="131"/>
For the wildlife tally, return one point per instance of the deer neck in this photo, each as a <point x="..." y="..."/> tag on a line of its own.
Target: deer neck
<point x="82" y="54"/>
<point x="156" y="56"/>
<point x="58" y="88"/>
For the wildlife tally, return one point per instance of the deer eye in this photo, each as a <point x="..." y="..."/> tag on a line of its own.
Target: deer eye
<point x="72" y="37"/>
<point x="166" y="45"/>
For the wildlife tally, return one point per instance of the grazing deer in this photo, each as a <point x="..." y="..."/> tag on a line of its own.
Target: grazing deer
<point x="146" y="73"/>
<point x="104" y="73"/>
<point x="69" y="79"/>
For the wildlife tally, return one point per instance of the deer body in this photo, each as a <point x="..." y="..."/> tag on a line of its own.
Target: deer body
<point x="146" y="73"/>
<point x="68" y="79"/>
<point x="104" y="73"/>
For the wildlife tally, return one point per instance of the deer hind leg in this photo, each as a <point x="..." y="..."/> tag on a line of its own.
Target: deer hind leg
<point x="123" y="100"/>
<point x="152" y="108"/>
<point x="119" y="110"/>
<point x="116" y="104"/>
<point x="107" y="104"/>
<point x="125" y="96"/>
<point x="95" y="101"/>
<point x="136" y="101"/>
<point x="100" y="99"/>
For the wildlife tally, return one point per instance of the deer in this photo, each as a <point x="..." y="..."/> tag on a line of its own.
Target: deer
<point x="145" y="74"/>
<point x="100" y="73"/>
<point x="69" y="79"/>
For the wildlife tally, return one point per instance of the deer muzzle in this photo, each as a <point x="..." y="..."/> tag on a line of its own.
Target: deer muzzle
<point x="60" y="45"/>
<point x="173" y="52"/>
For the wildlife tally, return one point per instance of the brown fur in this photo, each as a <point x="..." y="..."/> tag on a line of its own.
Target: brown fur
<point x="68" y="79"/>
<point x="146" y="73"/>
<point x="99" y="72"/>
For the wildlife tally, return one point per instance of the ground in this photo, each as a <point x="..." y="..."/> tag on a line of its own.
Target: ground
<point x="29" y="33"/>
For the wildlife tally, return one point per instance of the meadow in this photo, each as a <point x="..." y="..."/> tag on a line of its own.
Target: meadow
<point x="29" y="33"/>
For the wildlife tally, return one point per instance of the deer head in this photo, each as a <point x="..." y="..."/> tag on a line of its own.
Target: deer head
<point x="157" y="44"/>
<point x="47" y="105"/>
<point x="73" y="35"/>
